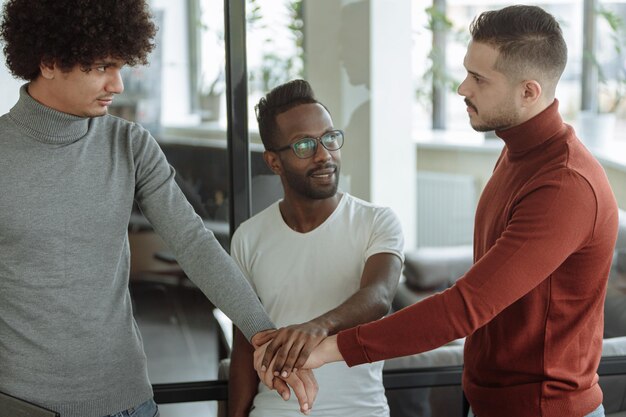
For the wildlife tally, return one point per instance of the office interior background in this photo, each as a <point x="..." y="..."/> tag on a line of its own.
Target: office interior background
<point x="387" y="71"/>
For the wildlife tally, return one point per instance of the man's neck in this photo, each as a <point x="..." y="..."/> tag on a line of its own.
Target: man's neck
<point x="39" y="90"/>
<point x="539" y="108"/>
<point x="304" y="214"/>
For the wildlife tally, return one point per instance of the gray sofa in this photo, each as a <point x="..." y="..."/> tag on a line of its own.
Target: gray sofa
<point x="429" y="270"/>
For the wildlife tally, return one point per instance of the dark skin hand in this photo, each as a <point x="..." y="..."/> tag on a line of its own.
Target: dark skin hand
<point x="243" y="380"/>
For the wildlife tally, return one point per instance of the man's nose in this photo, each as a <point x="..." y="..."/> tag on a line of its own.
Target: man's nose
<point x="321" y="153"/>
<point x="115" y="84"/>
<point x="461" y="90"/>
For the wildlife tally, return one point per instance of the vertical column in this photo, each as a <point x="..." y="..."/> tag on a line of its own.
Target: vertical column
<point x="322" y="62"/>
<point x="440" y="33"/>
<point x="237" y="116"/>
<point x="337" y="64"/>
<point x="393" y="163"/>
<point x="358" y="60"/>
<point x="589" y="99"/>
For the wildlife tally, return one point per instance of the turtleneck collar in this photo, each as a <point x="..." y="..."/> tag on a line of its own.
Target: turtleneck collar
<point x="46" y="124"/>
<point x="533" y="132"/>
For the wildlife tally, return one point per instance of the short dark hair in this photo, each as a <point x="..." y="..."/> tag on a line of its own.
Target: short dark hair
<point x="281" y="99"/>
<point x="528" y="39"/>
<point x="69" y="33"/>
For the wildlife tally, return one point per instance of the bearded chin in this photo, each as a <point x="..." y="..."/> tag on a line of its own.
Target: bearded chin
<point x="303" y="187"/>
<point x="499" y="123"/>
<point x="321" y="194"/>
<point x="484" y="128"/>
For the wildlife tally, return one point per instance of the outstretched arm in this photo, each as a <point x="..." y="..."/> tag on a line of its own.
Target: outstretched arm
<point x="200" y="255"/>
<point x="291" y="346"/>
<point x="517" y="263"/>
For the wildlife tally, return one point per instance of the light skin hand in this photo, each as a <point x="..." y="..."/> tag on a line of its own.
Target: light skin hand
<point x="325" y="352"/>
<point x="304" y="386"/>
<point x="310" y="385"/>
<point x="262" y="337"/>
<point x="266" y="377"/>
<point x="302" y="382"/>
<point x="283" y="389"/>
<point x="293" y="345"/>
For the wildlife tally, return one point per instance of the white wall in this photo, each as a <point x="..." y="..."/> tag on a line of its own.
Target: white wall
<point x="175" y="101"/>
<point x="358" y="63"/>
<point x="392" y="170"/>
<point x="9" y="86"/>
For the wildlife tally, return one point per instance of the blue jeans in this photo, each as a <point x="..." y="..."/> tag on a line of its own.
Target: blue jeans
<point x="598" y="412"/>
<point x="147" y="409"/>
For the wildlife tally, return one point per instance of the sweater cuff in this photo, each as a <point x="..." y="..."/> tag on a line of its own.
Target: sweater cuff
<point x="350" y="348"/>
<point x="255" y="324"/>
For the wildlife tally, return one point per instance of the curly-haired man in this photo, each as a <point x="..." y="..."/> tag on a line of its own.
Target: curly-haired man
<point x="69" y="174"/>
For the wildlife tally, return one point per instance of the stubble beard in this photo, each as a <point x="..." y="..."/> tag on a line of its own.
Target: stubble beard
<point x="304" y="187"/>
<point x="504" y="119"/>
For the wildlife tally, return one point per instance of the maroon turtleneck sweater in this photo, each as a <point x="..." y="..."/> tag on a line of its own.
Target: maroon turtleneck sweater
<point x="532" y="304"/>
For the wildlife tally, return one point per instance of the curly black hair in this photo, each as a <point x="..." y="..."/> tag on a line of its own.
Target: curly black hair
<point x="74" y="32"/>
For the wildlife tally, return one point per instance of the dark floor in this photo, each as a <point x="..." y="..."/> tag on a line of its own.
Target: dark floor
<point x="180" y="338"/>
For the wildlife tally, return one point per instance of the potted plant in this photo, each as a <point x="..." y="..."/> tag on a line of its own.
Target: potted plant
<point x="209" y="80"/>
<point x="613" y="88"/>
<point x="437" y="80"/>
<point x="275" y="66"/>
<point x="210" y="96"/>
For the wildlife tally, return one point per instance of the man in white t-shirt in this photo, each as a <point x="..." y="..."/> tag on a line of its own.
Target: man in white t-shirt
<point x="320" y="261"/>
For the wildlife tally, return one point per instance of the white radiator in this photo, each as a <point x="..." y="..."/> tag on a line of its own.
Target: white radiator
<point x="445" y="209"/>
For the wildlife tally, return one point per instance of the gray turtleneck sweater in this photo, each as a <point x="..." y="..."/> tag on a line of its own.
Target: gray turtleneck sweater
<point x="68" y="340"/>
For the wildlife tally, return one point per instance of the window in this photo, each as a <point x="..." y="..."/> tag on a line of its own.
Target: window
<point x="453" y="18"/>
<point x="274" y="42"/>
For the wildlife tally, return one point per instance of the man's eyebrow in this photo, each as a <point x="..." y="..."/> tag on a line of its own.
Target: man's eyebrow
<point x="475" y="74"/>
<point x="107" y="64"/>
<point x="303" y="135"/>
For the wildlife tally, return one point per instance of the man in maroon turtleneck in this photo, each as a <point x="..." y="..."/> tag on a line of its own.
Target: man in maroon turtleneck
<point x="546" y="224"/>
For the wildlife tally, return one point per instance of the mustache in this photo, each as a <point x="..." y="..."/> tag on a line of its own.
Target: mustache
<point x="469" y="104"/>
<point x="325" y="166"/>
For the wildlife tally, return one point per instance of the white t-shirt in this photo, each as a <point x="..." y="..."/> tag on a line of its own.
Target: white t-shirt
<point x="300" y="276"/>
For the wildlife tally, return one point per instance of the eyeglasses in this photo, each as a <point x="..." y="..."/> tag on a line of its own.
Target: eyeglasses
<point x="307" y="147"/>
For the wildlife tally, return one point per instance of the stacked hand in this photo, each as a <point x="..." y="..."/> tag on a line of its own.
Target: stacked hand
<point x="290" y="347"/>
<point x="286" y="356"/>
<point x="303" y="384"/>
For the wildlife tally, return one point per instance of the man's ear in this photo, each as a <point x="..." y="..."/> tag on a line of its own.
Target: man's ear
<point x="531" y="92"/>
<point x="273" y="162"/>
<point x="47" y="69"/>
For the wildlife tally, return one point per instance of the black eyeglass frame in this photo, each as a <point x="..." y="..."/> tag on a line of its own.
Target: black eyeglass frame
<point x="318" y="140"/>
